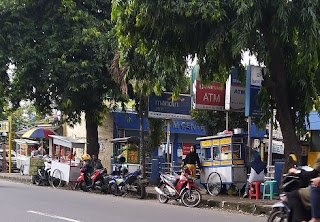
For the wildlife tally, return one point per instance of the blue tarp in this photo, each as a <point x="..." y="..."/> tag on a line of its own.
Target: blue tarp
<point x="314" y="121"/>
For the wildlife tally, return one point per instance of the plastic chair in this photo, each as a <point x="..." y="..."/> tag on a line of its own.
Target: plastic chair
<point x="254" y="190"/>
<point x="269" y="183"/>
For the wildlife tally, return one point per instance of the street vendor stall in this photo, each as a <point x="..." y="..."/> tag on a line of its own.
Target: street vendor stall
<point x="24" y="148"/>
<point x="65" y="167"/>
<point x="223" y="161"/>
<point x="129" y="148"/>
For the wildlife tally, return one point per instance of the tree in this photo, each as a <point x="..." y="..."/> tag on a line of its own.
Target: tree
<point x="62" y="51"/>
<point x="282" y="34"/>
<point x="215" y="122"/>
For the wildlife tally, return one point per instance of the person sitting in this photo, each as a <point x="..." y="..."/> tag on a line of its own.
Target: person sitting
<point x="191" y="159"/>
<point x="257" y="168"/>
<point x="96" y="163"/>
<point x="315" y="200"/>
<point x="87" y="166"/>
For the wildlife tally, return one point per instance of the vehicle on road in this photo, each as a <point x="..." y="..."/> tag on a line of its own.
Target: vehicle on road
<point x="179" y="187"/>
<point x="13" y="159"/>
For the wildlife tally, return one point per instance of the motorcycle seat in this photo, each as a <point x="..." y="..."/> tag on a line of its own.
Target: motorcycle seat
<point x="171" y="178"/>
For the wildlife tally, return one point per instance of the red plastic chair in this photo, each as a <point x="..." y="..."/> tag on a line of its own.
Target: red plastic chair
<point x="254" y="190"/>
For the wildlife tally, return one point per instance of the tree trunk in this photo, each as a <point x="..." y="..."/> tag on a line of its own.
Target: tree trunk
<point x="92" y="134"/>
<point x="142" y="150"/>
<point x="281" y="96"/>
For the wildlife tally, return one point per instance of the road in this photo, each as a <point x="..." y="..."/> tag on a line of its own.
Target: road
<point x="29" y="203"/>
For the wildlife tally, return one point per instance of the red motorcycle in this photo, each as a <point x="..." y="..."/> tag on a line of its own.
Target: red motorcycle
<point x="179" y="187"/>
<point x="99" y="180"/>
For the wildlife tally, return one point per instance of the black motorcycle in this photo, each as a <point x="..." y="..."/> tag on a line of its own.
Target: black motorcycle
<point x="43" y="174"/>
<point x="281" y="210"/>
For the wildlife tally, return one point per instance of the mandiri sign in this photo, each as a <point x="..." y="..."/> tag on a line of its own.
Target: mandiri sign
<point x="164" y="107"/>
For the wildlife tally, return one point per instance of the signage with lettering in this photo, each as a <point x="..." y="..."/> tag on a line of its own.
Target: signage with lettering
<point x="186" y="148"/>
<point x="187" y="126"/>
<point x="4" y="126"/>
<point x="165" y="107"/>
<point x="235" y="93"/>
<point x="254" y="78"/>
<point x="210" y="97"/>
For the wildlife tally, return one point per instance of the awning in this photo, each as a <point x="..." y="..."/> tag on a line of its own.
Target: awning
<point x="25" y="141"/>
<point x="131" y="139"/>
<point x="67" y="142"/>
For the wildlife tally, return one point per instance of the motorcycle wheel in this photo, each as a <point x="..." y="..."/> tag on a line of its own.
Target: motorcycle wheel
<point x="277" y="216"/>
<point x="83" y="186"/>
<point x="140" y="189"/>
<point x="105" y="189"/>
<point x="114" y="189"/>
<point x="191" y="198"/>
<point x="163" y="199"/>
<point x="37" y="180"/>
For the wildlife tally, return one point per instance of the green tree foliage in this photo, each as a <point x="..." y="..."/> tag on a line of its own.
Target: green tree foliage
<point x="62" y="50"/>
<point x="282" y="34"/>
<point x="215" y="122"/>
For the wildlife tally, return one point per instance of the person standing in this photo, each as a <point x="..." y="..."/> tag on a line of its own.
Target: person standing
<point x="191" y="160"/>
<point x="315" y="200"/>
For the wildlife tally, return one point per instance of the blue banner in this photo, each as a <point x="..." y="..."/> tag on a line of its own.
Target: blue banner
<point x="164" y="107"/>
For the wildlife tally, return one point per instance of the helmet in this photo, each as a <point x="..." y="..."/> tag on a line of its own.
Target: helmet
<point x="124" y="171"/>
<point x="86" y="157"/>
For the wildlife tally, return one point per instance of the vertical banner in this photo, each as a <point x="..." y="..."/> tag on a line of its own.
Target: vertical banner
<point x="254" y="78"/>
<point x="235" y="93"/>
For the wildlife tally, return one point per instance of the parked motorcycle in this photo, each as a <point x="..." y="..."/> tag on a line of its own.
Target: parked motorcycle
<point x="128" y="183"/>
<point x="281" y="210"/>
<point x="43" y="174"/>
<point x="179" y="187"/>
<point x="99" y="180"/>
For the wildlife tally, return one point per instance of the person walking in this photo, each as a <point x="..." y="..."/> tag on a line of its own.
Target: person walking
<point x="191" y="160"/>
<point x="315" y="200"/>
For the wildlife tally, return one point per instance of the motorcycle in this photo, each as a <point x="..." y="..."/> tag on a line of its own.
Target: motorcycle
<point x="179" y="187"/>
<point x="281" y="210"/>
<point x="127" y="183"/>
<point x="43" y="174"/>
<point x="99" y="180"/>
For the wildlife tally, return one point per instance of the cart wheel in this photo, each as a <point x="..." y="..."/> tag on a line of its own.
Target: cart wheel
<point x="56" y="178"/>
<point x="214" y="184"/>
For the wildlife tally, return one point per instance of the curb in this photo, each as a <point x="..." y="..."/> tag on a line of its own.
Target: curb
<point x="250" y="208"/>
<point x="25" y="179"/>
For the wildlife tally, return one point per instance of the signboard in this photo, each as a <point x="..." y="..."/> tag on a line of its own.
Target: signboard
<point x="235" y="93"/>
<point x="4" y="126"/>
<point x="164" y="107"/>
<point x="254" y="78"/>
<point x="210" y="97"/>
<point x="186" y="148"/>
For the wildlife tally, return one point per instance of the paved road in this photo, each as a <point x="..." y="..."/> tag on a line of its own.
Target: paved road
<point x="28" y="203"/>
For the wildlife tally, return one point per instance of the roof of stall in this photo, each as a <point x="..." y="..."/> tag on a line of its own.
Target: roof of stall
<point x="25" y="141"/>
<point x="67" y="142"/>
<point x="131" y="139"/>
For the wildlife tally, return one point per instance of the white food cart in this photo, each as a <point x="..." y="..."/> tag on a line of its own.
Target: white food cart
<point x="65" y="166"/>
<point x="23" y="150"/>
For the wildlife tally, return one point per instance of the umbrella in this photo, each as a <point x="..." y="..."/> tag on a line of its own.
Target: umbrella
<point x="38" y="133"/>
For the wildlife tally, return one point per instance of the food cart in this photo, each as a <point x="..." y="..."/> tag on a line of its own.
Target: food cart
<point x="65" y="166"/>
<point x="129" y="148"/>
<point x="223" y="162"/>
<point x="23" y="151"/>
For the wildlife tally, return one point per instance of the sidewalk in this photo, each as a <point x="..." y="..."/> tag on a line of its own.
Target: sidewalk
<point x="226" y="202"/>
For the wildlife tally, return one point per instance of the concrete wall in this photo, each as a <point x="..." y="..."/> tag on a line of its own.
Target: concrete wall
<point x="105" y="134"/>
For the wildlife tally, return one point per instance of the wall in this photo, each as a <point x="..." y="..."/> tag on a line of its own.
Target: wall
<point x="105" y="134"/>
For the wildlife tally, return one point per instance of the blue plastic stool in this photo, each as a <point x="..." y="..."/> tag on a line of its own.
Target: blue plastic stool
<point x="271" y="184"/>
